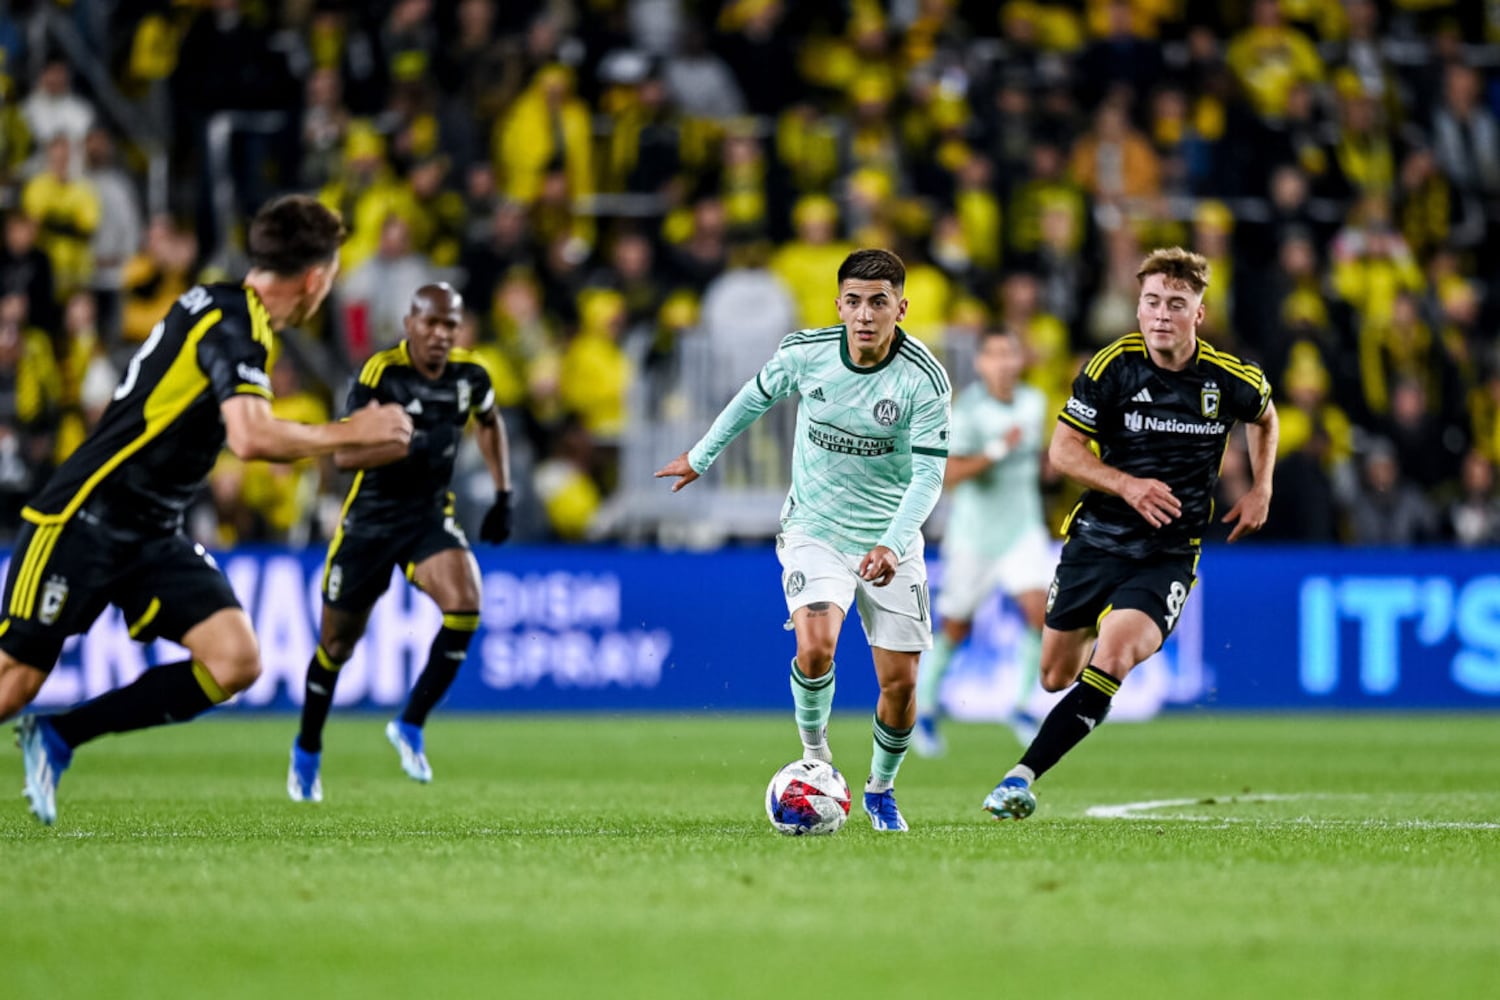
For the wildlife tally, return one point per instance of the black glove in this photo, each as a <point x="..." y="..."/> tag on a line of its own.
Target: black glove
<point x="496" y="526"/>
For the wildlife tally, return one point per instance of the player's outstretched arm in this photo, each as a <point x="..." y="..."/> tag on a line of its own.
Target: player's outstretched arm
<point x="1250" y="512"/>
<point x="1151" y="498"/>
<point x="680" y="469"/>
<point x="255" y="434"/>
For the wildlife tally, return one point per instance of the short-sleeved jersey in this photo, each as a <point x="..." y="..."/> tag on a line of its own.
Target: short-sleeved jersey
<point x="415" y="486"/>
<point x="1158" y="424"/>
<point x="160" y="435"/>
<point x="857" y="431"/>
<point x="1004" y="502"/>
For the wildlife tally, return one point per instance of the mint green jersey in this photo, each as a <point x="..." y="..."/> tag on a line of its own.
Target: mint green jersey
<point x="993" y="509"/>
<point x="867" y="464"/>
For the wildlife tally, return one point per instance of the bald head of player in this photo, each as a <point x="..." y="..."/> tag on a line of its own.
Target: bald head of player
<point x="431" y="324"/>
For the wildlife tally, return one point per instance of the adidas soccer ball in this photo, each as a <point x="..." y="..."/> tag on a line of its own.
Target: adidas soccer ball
<point x="807" y="797"/>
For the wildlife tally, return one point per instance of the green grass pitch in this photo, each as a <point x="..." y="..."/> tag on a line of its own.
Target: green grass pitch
<point x="629" y="856"/>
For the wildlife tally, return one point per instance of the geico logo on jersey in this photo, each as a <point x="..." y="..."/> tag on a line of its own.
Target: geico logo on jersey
<point x="1079" y="408"/>
<point x="1136" y="423"/>
<point x="253" y="375"/>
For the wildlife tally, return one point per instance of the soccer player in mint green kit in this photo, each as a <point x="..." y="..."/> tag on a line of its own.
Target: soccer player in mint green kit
<point x="867" y="470"/>
<point x="996" y="537"/>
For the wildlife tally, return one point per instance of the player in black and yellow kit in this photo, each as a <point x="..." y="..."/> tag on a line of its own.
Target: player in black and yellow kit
<point x="107" y="527"/>
<point x="1160" y="405"/>
<point x="399" y="512"/>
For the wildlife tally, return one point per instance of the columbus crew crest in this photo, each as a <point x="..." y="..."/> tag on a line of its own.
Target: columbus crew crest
<point x="1209" y="397"/>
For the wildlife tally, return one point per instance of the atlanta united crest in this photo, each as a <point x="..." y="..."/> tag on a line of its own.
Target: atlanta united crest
<point x="795" y="581"/>
<point x="887" y="412"/>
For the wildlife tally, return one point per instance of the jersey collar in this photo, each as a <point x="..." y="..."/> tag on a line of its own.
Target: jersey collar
<point x="896" y="343"/>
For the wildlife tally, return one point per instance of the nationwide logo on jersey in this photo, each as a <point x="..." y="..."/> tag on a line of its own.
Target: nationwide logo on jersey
<point x="1144" y="396"/>
<point x="1210" y="399"/>
<point x="887" y="412"/>
<point x="1136" y="423"/>
<point x="817" y="394"/>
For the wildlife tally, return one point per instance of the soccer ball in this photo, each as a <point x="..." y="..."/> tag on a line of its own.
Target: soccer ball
<point x="807" y="797"/>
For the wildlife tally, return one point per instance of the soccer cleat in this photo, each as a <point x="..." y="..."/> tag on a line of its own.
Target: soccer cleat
<point x="925" y="738"/>
<point x="303" y="783"/>
<point x="1011" y="799"/>
<point x="884" y="813"/>
<point x="819" y="750"/>
<point x="407" y="739"/>
<point x="45" y="757"/>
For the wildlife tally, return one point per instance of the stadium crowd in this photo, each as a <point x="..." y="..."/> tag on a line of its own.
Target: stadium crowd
<point x="603" y="179"/>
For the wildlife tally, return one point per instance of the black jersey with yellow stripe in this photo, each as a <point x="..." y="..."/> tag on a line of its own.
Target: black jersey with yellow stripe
<point x="1158" y="424"/>
<point x="160" y="435"/>
<point x="415" y="486"/>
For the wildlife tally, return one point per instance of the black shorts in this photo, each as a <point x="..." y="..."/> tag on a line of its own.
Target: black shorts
<point x="1090" y="583"/>
<point x="62" y="576"/>
<point x="358" y="568"/>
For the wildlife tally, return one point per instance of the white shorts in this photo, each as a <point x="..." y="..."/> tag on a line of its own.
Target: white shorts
<point x="895" y="617"/>
<point x="968" y="577"/>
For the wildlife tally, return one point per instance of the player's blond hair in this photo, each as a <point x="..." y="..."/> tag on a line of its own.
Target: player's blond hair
<point x="1177" y="266"/>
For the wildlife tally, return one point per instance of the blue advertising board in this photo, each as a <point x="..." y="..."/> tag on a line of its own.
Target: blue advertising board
<point x="608" y="629"/>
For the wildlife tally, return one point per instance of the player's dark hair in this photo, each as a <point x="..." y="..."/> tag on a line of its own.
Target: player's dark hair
<point x="1178" y="266"/>
<point x="873" y="265"/>
<point x="293" y="233"/>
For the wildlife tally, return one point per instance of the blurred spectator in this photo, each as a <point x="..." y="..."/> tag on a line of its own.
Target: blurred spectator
<point x="53" y="111"/>
<point x="704" y="254"/>
<point x="155" y="277"/>
<point x="568" y="493"/>
<point x="807" y="264"/>
<point x="595" y="375"/>
<point x="1473" y="517"/>
<point x="1390" y="511"/>
<point x="67" y="209"/>
<point x="1372" y="264"/>
<point x="1305" y="509"/>
<point x="325" y="123"/>
<point x="26" y="269"/>
<point x="507" y="245"/>
<point x="15" y="135"/>
<point x="1364" y="153"/>
<point x="83" y="366"/>
<point x="699" y="82"/>
<point x="1269" y="57"/>
<point x="1113" y="161"/>
<point x="1120" y="56"/>
<point x="547" y="128"/>
<point x="1465" y="133"/>
<point x="377" y="294"/>
<point x="120" y="229"/>
<point x="1429" y="446"/>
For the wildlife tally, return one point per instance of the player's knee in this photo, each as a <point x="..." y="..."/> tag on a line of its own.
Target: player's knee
<point x="339" y="647"/>
<point x="815" y="658"/>
<point x="1057" y="678"/>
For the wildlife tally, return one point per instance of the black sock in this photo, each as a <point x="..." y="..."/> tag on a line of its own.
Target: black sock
<point x="448" y="652"/>
<point x="175" y="692"/>
<point x="1071" y="719"/>
<point x="317" y="699"/>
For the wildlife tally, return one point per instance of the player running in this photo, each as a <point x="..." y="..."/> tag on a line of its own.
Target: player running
<point x="1159" y="404"/>
<point x="107" y="528"/>
<point x="867" y="470"/>
<point x="399" y="512"/>
<point x="996" y="536"/>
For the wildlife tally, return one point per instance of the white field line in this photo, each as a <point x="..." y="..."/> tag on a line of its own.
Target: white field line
<point x="1148" y="810"/>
